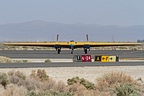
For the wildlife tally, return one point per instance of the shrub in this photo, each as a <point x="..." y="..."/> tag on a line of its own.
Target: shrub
<point x="19" y="74"/>
<point x="81" y="90"/>
<point x="73" y="80"/>
<point x="31" y="84"/>
<point x="113" y="79"/>
<point x="47" y="85"/>
<point x="64" y="94"/>
<point x="35" y="85"/>
<point x="42" y="81"/>
<point x="14" y="90"/>
<point x="48" y="94"/>
<point x="5" y="59"/>
<point x="60" y="86"/>
<point x="9" y="60"/>
<point x="17" y="77"/>
<point x="77" y="80"/>
<point x="126" y="90"/>
<point x="4" y="80"/>
<point x="87" y="84"/>
<point x="40" y="75"/>
<point x="77" y="89"/>
<point x="54" y="93"/>
<point x="47" y="61"/>
<point x="36" y="94"/>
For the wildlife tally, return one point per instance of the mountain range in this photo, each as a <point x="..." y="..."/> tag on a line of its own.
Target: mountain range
<point x="38" y="30"/>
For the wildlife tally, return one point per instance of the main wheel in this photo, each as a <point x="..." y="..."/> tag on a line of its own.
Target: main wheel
<point x="72" y="52"/>
<point x="72" y="49"/>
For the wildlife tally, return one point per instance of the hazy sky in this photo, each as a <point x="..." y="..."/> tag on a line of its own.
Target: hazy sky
<point x="104" y="12"/>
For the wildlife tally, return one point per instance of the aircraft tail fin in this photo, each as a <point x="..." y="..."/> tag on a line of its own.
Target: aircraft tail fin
<point x="57" y="37"/>
<point x="87" y="37"/>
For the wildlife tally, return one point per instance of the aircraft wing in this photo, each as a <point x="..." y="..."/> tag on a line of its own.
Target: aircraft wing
<point x="76" y="44"/>
<point x="72" y="45"/>
<point x="41" y="44"/>
<point x="106" y="44"/>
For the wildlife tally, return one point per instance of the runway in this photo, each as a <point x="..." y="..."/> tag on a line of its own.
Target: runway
<point x="39" y="54"/>
<point x="65" y="54"/>
<point x="72" y="64"/>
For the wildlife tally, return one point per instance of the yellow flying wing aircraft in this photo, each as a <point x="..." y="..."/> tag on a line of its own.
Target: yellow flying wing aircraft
<point x="72" y="44"/>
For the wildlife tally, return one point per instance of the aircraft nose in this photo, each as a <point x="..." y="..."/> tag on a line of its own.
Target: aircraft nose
<point x="71" y="45"/>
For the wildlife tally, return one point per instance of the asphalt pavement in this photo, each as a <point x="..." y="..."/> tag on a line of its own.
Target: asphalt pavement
<point x="68" y="64"/>
<point x="65" y="54"/>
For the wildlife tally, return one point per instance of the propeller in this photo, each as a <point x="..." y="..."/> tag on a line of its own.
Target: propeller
<point x="87" y="37"/>
<point x="57" y="37"/>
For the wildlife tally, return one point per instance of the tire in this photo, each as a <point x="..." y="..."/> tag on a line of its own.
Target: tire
<point x="85" y="50"/>
<point x="58" y="50"/>
<point x="71" y="52"/>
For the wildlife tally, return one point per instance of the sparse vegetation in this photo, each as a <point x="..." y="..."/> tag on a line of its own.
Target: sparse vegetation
<point x="4" y="59"/>
<point x="126" y="90"/>
<point x="111" y="80"/>
<point x="48" y="94"/>
<point x="77" y="80"/>
<point x="40" y="75"/>
<point x="38" y="83"/>
<point x="4" y="80"/>
<point x="14" y="90"/>
<point x="17" y="77"/>
<point x="47" y="61"/>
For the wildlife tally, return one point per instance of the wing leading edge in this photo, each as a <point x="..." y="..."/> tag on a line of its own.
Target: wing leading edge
<point x="72" y="45"/>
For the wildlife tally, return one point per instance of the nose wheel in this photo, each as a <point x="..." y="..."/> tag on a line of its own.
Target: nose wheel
<point x="85" y="50"/>
<point x="58" y="50"/>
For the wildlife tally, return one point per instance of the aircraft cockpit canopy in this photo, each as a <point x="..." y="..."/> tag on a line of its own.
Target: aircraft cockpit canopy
<point x="71" y="40"/>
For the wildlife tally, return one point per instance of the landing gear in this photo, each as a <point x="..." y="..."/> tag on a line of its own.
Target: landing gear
<point x="85" y="50"/>
<point x="72" y="51"/>
<point x="58" y="50"/>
